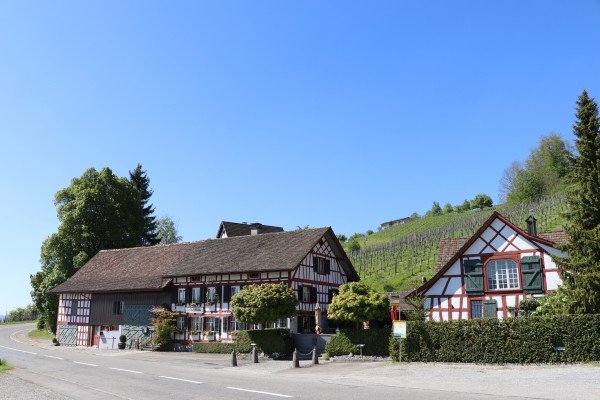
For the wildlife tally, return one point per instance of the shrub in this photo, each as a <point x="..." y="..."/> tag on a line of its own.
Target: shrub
<point x="40" y="324"/>
<point x="514" y="340"/>
<point x="213" y="347"/>
<point x="376" y="341"/>
<point x="340" y="345"/>
<point x="164" y="335"/>
<point x="268" y="341"/>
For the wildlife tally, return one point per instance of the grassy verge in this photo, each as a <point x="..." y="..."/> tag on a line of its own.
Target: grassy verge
<point x="17" y="322"/>
<point x="4" y="366"/>
<point x="40" y="334"/>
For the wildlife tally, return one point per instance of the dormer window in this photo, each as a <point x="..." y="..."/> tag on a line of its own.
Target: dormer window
<point x="502" y="274"/>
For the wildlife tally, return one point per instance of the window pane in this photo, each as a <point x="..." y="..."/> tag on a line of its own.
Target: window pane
<point x="502" y="274"/>
<point x="476" y="309"/>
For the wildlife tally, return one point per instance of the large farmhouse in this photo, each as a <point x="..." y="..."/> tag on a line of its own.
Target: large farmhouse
<point x="112" y="294"/>
<point x="488" y="274"/>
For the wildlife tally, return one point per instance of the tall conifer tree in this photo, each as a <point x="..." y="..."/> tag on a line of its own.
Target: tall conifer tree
<point x="139" y="178"/>
<point x="582" y="268"/>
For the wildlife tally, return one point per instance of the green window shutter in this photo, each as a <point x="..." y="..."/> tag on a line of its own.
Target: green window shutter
<point x="474" y="276"/>
<point x="315" y="264"/>
<point x="226" y="294"/>
<point x="327" y="266"/>
<point x="300" y="298"/>
<point x="313" y="296"/>
<point x="491" y="309"/>
<point x="531" y="274"/>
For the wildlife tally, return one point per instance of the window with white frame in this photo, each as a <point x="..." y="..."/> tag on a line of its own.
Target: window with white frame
<point x="181" y="323"/>
<point x="211" y="324"/>
<point x="196" y="323"/>
<point x="196" y="295"/>
<point x="181" y="297"/>
<point x="225" y="324"/>
<point x="476" y="309"/>
<point x="211" y="295"/>
<point x="502" y="274"/>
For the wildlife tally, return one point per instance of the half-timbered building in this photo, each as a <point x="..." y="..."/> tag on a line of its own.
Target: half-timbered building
<point x="113" y="293"/>
<point x="488" y="274"/>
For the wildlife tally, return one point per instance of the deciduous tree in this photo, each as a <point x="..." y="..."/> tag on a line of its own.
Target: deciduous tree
<point x="357" y="302"/>
<point x="260" y="304"/>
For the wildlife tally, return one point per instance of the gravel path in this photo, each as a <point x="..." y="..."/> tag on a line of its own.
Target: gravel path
<point x="14" y="388"/>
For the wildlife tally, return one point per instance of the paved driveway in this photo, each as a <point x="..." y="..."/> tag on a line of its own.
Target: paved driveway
<point x="93" y="374"/>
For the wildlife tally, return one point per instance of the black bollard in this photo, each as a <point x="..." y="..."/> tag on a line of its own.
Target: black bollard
<point x="233" y="359"/>
<point x="254" y="355"/>
<point x="295" y="362"/>
<point x="315" y="358"/>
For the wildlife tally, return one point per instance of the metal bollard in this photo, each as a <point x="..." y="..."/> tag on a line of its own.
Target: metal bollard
<point x="233" y="359"/>
<point x="315" y="358"/>
<point x="254" y="355"/>
<point x="295" y="362"/>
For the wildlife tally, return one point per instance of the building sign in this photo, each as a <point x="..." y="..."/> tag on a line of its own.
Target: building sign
<point x="399" y="329"/>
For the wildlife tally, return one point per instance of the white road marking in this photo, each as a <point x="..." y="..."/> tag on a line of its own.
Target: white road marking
<point x="258" y="391"/>
<point x="179" y="379"/>
<point x="82" y="363"/>
<point x="126" y="370"/>
<point x="54" y="357"/>
<point x="20" y="351"/>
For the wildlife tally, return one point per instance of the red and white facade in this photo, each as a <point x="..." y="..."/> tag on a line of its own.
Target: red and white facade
<point x="500" y="253"/>
<point x="203" y="300"/>
<point x="74" y="318"/>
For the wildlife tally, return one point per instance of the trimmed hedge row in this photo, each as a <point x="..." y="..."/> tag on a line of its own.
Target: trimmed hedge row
<point x="376" y="342"/>
<point x="269" y="341"/>
<point x="514" y="340"/>
<point x="213" y="347"/>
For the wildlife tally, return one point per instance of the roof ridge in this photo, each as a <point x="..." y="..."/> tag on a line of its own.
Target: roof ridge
<point x="272" y="233"/>
<point x="154" y="246"/>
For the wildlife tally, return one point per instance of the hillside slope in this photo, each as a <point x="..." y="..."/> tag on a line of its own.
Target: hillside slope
<point x="396" y="258"/>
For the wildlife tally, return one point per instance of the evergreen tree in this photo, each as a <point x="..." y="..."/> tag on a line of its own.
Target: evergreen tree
<point x="582" y="269"/>
<point x="140" y="180"/>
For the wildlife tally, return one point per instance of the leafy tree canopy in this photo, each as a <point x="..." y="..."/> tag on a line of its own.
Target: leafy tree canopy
<point x="259" y="304"/>
<point x="357" y="302"/>
<point x="544" y="173"/>
<point x="166" y="231"/>
<point x="481" y="201"/>
<point x="96" y="211"/>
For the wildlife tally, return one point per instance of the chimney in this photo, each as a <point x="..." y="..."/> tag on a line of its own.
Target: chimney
<point x="531" y="225"/>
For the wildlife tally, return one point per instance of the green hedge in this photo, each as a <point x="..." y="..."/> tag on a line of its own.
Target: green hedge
<point x="213" y="347"/>
<point x="269" y="341"/>
<point x="514" y="340"/>
<point x="376" y="342"/>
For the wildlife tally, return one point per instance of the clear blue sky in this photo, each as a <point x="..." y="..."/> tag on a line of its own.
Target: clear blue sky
<point x="288" y="113"/>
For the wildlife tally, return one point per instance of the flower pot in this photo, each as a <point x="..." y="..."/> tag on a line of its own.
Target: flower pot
<point x="121" y="346"/>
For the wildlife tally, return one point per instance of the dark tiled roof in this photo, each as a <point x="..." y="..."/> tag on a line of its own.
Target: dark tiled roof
<point x="448" y="248"/>
<point x="149" y="268"/>
<point x="558" y="237"/>
<point x="236" y="229"/>
<point x="269" y="251"/>
<point x="138" y="268"/>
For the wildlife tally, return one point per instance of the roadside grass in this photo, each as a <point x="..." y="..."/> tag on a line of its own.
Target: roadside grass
<point x="17" y="322"/>
<point x="4" y="366"/>
<point x="40" y="334"/>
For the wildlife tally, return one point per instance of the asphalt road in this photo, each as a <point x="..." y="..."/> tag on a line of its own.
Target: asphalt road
<point x="92" y="374"/>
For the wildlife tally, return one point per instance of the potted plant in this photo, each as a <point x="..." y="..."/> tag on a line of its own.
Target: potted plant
<point x="55" y="341"/>
<point x="122" y="342"/>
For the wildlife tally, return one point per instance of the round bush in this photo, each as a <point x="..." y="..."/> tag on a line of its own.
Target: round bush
<point x="340" y="345"/>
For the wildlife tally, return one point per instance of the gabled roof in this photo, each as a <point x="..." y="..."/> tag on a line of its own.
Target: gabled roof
<point x="151" y="268"/>
<point x="468" y="242"/>
<point x="133" y="269"/>
<point x="233" y="229"/>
